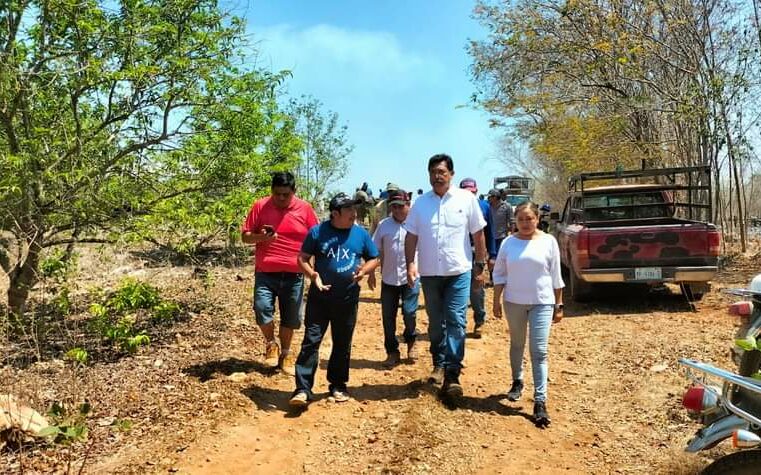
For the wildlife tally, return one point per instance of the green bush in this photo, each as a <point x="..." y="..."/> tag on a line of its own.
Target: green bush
<point x="134" y="295"/>
<point x="165" y="311"/>
<point x="57" y="266"/>
<point x="116" y="319"/>
<point x="67" y="426"/>
<point x="77" y="355"/>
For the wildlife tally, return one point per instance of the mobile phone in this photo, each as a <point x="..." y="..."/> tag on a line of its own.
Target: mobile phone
<point x="268" y="229"/>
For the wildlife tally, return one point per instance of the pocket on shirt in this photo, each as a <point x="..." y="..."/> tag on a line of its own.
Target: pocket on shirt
<point x="455" y="219"/>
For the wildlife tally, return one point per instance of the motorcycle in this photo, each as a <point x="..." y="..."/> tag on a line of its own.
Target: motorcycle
<point x="729" y="404"/>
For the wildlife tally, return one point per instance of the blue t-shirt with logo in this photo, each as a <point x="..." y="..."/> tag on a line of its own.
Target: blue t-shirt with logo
<point x="337" y="256"/>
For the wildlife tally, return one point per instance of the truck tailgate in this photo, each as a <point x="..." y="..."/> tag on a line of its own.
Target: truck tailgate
<point x="682" y="244"/>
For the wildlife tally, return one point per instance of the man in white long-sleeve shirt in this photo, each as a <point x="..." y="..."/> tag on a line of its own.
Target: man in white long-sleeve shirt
<point x="439" y="227"/>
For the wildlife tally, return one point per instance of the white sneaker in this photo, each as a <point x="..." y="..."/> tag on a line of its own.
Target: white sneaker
<point x="300" y="399"/>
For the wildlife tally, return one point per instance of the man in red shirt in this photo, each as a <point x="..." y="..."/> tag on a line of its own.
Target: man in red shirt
<point x="277" y="225"/>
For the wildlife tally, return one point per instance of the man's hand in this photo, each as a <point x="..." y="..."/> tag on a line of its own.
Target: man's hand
<point x="497" y="308"/>
<point x="358" y="275"/>
<point x="557" y="315"/>
<point x="371" y="282"/>
<point x="317" y="281"/>
<point x="267" y="233"/>
<point x="411" y="275"/>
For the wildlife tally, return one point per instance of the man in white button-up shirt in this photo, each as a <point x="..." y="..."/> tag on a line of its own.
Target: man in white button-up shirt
<point x="439" y="227"/>
<point x="389" y="239"/>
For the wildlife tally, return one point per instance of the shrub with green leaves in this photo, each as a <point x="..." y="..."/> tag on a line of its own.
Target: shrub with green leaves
<point x="77" y="355"/>
<point x="134" y="295"/>
<point x="165" y="311"/>
<point x="57" y="265"/>
<point x="67" y="426"/>
<point x="117" y="318"/>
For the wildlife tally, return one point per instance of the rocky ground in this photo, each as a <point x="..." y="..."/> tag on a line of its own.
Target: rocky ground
<point x="199" y="400"/>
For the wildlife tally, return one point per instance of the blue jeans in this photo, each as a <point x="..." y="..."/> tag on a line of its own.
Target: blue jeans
<point x="446" y="302"/>
<point x="342" y="317"/>
<point x="390" y="296"/>
<point x="538" y="318"/>
<point x="477" y="298"/>
<point x="287" y="288"/>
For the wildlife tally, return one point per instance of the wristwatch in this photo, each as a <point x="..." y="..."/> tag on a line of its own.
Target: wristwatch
<point x="558" y="306"/>
<point x="480" y="264"/>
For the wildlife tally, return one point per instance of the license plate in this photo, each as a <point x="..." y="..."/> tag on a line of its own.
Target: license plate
<point x="647" y="273"/>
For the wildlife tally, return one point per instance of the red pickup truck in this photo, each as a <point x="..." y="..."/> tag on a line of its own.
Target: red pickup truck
<point x="639" y="233"/>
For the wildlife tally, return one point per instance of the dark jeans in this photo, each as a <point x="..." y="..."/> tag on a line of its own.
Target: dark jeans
<point x="390" y="296"/>
<point x="446" y="301"/>
<point x="477" y="300"/>
<point x="287" y="288"/>
<point x="341" y="316"/>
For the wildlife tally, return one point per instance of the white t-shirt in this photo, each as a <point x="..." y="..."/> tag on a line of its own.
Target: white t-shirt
<point x="529" y="269"/>
<point x="443" y="226"/>
<point x="389" y="238"/>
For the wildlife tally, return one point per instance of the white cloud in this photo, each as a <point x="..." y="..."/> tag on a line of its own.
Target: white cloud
<point x="332" y="59"/>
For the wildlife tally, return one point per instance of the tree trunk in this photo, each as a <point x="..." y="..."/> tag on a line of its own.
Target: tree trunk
<point x="22" y="279"/>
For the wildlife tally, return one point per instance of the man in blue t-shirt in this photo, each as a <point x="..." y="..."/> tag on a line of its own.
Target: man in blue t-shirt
<point x="338" y="247"/>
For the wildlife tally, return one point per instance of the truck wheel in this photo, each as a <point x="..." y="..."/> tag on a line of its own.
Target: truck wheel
<point x="746" y="462"/>
<point x="581" y="291"/>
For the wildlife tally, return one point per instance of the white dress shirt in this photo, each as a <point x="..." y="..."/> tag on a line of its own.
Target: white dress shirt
<point x="389" y="238"/>
<point x="443" y="225"/>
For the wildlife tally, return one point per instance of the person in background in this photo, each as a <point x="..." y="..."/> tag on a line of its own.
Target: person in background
<point x="528" y="271"/>
<point x="277" y="225"/>
<point x="415" y="196"/>
<point x="477" y="293"/>
<point x="389" y="239"/>
<point x="338" y="247"/>
<point x="381" y="207"/>
<point x="501" y="217"/>
<point x="439" y="228"/>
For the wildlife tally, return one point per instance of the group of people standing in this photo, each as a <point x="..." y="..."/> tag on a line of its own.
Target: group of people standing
<point x="441" y="245"/>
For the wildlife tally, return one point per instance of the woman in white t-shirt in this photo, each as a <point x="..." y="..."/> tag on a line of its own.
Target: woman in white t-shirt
<point x="528" y="270"/>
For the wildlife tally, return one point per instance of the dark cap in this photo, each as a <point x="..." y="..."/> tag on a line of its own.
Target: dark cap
<point x="495" y="192"/>
<point x="469" y="184"/>
<point x="397" y="197"/>
<point x="342" y="200"/>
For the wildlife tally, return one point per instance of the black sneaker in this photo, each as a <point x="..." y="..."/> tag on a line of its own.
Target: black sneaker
<point x="478" y="330"/>
<point x="451" y="387"/>
<point x="541" y="418"/>
<point x="515" y="391"/>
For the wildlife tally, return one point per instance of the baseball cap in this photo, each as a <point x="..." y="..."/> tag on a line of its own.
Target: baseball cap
<point x="469" y="184"/>
<point x="397" y="197"/>
<point x="391" y="187"/>
<point x="494" y="192"/>
<point x="342" y="200"/>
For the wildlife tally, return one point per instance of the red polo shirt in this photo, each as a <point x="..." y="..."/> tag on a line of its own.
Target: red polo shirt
<point x="291" y="225"/>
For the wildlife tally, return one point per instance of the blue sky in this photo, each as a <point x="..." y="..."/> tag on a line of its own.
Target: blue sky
<point x="396" y="73"/>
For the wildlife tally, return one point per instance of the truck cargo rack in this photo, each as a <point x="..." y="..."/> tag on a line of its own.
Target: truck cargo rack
<point x="694" y="179"/>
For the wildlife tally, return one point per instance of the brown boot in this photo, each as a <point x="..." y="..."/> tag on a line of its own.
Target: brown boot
<point x="272" y="355"/>
<point x="288" y="364"/>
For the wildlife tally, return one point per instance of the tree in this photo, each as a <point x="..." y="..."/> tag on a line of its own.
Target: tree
<point x="671" y="77"/>
<point x="240" y="139"/>
<point x="100" y="118"/>
<point x="326" y="150"/>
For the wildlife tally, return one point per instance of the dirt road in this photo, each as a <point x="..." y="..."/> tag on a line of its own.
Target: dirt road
<point x="202" y="402"/>
<point x="614" y="399"/>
